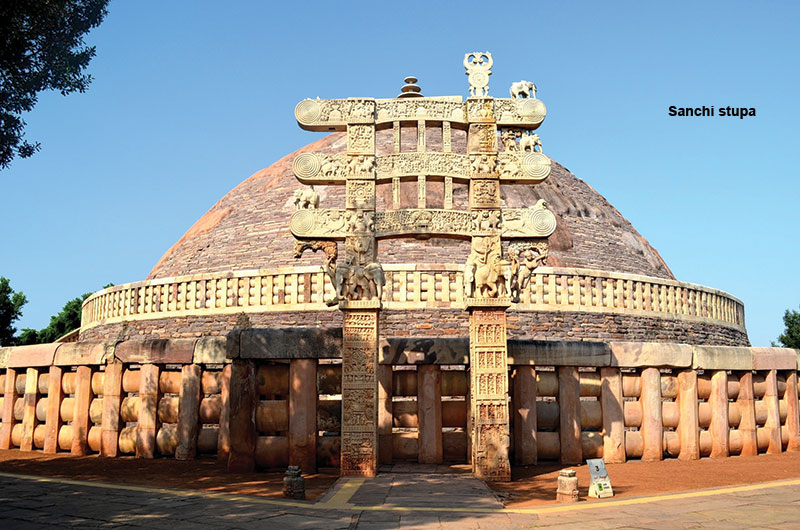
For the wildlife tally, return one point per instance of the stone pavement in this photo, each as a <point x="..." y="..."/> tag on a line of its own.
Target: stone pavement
<point x="392" y="500"/>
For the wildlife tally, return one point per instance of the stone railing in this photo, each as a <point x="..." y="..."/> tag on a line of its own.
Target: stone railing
<point x="408" y="287"/>
<point x="570" y="400"/>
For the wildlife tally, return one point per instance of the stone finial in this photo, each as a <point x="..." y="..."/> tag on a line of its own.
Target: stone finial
<point x="410" y="89"/>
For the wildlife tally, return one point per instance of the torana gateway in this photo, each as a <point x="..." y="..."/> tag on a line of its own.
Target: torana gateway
<point x="424" y="284"/>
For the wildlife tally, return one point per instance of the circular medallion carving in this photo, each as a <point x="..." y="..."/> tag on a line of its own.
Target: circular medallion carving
<point x="306" y="165"/>
<point x="479" y="79"/>
<point x="543" y="221"/>
<point x="302" y="222"/>
<point x="307" y="111"/>
<point x="536" y="166"/>
<point x="532" y="109"/>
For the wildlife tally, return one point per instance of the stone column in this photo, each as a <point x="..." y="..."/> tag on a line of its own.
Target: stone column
<point x="359" y="388"/>
<point x="488" y="358"/>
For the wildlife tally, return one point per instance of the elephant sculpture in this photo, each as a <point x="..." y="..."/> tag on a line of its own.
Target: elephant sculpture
<point x="492" y="279"/>
<point x="529" y="142"/>
<point x="377" y="279"/>
<point x="523" y="89"/>
<point x="306" y="199"/>
<point x="354" y="282"/>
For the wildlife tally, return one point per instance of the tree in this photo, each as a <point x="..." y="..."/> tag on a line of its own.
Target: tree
<point x="10" y="311"/>
<point x="68" y="319"/>
<point x="41" y="48"/>
<point x="790" y="338"/>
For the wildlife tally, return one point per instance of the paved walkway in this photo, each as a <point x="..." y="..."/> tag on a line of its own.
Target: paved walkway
<point x="392" y="500"/>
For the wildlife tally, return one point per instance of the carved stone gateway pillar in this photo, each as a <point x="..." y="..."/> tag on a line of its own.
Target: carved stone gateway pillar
<point x="488" y="365"/>
<point x="359" y="388"/>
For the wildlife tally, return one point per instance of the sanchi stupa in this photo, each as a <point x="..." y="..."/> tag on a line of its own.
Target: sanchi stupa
<point x="422" y="284"/>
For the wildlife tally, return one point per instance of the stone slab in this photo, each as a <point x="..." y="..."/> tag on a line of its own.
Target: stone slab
<point x="774" y="359"/>
<point x="156" y="351"/>
<point x="558" y="353"/>
<point x="722" y="358"/>
<point x="210" y="350"/>
<point x="290" y="343"/>
<point x="635" y="354"/>
<point x="84" y="353"/>
<point x="424" y="351"/>
<point x="32" y="356"/>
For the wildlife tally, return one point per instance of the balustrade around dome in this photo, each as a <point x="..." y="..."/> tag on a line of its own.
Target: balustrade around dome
<point x="409" y="287"/>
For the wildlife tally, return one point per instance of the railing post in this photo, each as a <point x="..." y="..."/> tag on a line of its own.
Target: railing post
<point x="719" y="428"/>
<point x="188" y="411"/>
<point x="303" y="414"/>
<point x="652" y="423"/>
<point x="569" y="405"/>
<point x="429" y="413"/>
<point x="688" y="420"/>
<point x="29" y="412"/>
<point x="613" y="416"/>
<point x="55" y="394"/>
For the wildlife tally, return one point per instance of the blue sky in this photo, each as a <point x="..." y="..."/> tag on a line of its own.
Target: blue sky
<point x="192" y="97"/>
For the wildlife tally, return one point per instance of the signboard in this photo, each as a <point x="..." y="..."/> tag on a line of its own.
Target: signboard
<point x="600" y="485"/>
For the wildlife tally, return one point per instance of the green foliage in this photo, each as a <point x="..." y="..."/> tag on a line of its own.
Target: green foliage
<point x="41" y="48"/>
<point x="65" y="321"/>
<point x="790" y="338"/>
<point x="10" y="310"/>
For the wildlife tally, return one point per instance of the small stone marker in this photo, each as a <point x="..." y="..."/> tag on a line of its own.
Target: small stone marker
<point x="567" y="486"/>
<point x="294" y="485"/>
<point x="600" y="485"/>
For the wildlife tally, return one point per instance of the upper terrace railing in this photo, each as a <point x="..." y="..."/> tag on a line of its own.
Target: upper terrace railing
<point x="408" y="287"/>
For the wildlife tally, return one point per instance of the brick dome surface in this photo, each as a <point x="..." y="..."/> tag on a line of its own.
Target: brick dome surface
<point x="249" y="227"/>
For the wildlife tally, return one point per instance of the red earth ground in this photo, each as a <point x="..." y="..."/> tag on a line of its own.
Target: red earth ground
<point x="532" y="485"/>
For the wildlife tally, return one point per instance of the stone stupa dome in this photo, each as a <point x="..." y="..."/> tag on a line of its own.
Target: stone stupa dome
<point x="236" y="266"/>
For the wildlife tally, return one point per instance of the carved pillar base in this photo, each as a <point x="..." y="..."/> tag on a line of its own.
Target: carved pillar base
<point x="488" y="419"/>
<point x="359" y="389"/>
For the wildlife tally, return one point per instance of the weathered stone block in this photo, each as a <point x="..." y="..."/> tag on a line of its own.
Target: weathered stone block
<point x="722" y="358"/>
<point x="635" y="354"/>
<point x="156" y="351"/>
<point x="424" y="351"/>
<point x="774" y="359"/>
<point x="32" y="356"/>
<point x="210" y="350"/>
<point x="4" y="354"/>
<point x="558" y="353"/>
<point x="289" y="343"/>
<point x="84" y="353"/>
